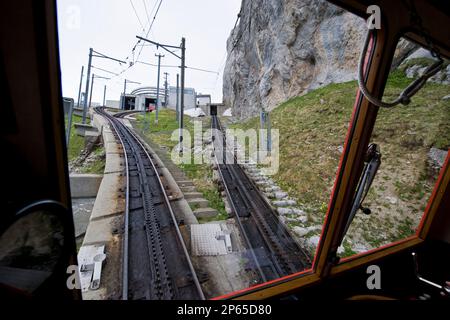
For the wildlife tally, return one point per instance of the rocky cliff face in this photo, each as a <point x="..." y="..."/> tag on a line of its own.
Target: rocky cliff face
<point x="281" y="49"/>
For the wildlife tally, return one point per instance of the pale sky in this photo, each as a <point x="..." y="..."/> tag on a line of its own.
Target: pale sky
<point x="110" y="27"/>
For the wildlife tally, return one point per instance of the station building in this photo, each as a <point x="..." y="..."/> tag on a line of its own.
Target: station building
<point x="143" y="97"/>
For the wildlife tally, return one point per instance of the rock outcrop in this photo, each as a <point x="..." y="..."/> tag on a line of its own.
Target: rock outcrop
<point x="281" y="49"/>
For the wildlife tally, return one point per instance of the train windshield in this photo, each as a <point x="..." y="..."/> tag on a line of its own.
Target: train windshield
<point x="412" y="144"/>
<point x="195" y="177"/>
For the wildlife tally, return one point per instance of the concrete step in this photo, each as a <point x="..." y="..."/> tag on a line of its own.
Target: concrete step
<point x="205" y="213"/>
<point x="185" y="183"/>
<point x="192" y="195"/>
<point x="198" y="202"/>
<point x="188" y="189"/>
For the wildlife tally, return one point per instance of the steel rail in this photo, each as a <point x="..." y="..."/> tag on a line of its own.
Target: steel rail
<point x="137" y="148"/>
<point x="172" y="214"/>
<point x="238" y="218"/>
<point x="282" y="264"/>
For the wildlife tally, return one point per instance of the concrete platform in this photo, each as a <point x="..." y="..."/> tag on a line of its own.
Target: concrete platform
<point x="106" y="221"/>
<point x="115" y="163"/>
<point x="108" y="203"/>
<point x="108" y="136"/>
<point x="205" y="241"/>
<point x="101" y="231"/>
<point x="112" y="147"/>
<point x="227" y="273"/>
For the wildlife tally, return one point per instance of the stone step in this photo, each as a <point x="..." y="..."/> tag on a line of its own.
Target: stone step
<point x="198" y="202"/>
<point x="185" y="183"/>
<point x="192" y="195"/>
<point x="187" y="189"/>
<point x="205" y="213"/>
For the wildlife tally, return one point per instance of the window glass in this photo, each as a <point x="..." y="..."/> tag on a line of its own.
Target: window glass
<point x="413" y="142"/>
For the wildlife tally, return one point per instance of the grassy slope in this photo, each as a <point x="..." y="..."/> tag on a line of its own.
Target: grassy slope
<point x="76" y="147"/>
<point x="201" y="174"/>
<point x="313" y="128"/>
<point x="76" y="144"/>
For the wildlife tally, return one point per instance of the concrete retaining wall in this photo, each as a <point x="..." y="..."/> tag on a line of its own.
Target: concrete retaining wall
<point x="83" y="129"/>
<point x="106" y="222"/>
<point x="85" y="185"/>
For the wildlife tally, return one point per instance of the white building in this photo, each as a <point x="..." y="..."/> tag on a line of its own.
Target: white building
<point x="203" y="100"/>
<point x="146" y="96"/>
<point x="189" y="98"/>
<point x="142" y="98"/>
<point x="113" y="104"/>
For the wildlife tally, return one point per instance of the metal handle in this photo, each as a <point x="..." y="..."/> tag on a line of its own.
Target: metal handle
<point x="406" y="95"/>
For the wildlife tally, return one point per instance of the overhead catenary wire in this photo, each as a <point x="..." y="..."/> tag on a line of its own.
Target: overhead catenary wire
<point x="133" y="62"/>
<point x="146" y="12"/>
<point x="107" y="71"/>
<point x="202" y="70"/>
<point x="137" y="16"/>
<point x="149" y="29"/>
<point x="104" y="56"/>
<point x="133" y="58"/>
<point x="174" y="66"/>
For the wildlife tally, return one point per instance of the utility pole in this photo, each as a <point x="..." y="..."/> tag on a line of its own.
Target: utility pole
<point x="91" y="55"/>
<point x="125" y="91"/>
<point x="87" y="85"/>
<point x="183" y="67"/>
<point x="165" y="89"/>
<point x="92" y="86"/>
<point x="265" y="124"/>
<point x="269" y="134"/>
<point x="178" y="98"/>
<point x="157" y="86"/>
<point x="81" y="84"/>
<point x="104" y="96"/>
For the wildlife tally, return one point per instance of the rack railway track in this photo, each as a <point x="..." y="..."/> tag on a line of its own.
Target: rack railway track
<point x="156" y="263"/>
<point x="273" y="251"/>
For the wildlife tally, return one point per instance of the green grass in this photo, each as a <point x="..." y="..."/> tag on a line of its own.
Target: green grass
<point x="200" y="174"/>
<point x="98" y="166"/>
<point x="76" y="143"/>
<point x="347" y="250"/>
<point x="405" y="229"/>
<point x="161" y="133"/>
<point x="314" y="126"/>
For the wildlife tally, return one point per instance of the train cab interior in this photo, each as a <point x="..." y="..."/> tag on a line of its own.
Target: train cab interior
<point x="35" y="190"/>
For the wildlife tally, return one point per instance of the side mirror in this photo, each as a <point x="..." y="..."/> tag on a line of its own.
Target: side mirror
<point x="32" y="247"/>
